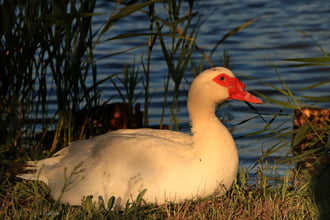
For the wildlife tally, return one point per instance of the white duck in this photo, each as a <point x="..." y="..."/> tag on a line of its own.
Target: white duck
<point x="172" y="166"/>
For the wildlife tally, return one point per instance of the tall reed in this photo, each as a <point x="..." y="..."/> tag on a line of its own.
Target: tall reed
<point x="177" y="52"/>
<point x="130" y="79"/>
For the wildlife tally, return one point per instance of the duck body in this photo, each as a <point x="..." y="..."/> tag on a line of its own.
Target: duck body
<point x="171" y="166"/>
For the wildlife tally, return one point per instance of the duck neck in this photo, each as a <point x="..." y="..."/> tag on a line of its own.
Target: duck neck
<point x="211" y="138"/>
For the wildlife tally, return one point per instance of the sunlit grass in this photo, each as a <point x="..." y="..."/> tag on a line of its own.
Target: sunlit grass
<point x="249" y="199"/>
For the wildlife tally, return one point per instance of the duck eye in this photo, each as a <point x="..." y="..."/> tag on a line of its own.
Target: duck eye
<point x="222" y="78"/>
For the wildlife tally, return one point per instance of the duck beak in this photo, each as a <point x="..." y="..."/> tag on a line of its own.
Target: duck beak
<point x="237" y="91"/>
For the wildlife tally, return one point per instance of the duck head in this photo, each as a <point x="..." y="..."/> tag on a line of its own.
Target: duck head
<point x="218" y="84"/>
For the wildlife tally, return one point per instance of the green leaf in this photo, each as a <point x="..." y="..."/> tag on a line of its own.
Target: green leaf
<point x="124" y="12"/>
<point x="300" y="134"/>
<point x="274" y="101"/>
<point x="314" y="85"/>
<point x="318" y="60"/>
<point x="130" y="35"/>
<point x="111" y="202"/>
<point x="320" y="99"/>
<point x="233" y="32"/>
<point x="118" y="52"/>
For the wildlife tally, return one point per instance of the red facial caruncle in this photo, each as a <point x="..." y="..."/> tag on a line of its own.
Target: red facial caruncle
<point x="236" y="88"/>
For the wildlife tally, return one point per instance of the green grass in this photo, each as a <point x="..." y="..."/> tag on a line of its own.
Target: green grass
<point x="250" y="199"/>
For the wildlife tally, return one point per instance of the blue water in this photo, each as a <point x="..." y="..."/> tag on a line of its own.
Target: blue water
<point x="254" y="52"/>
